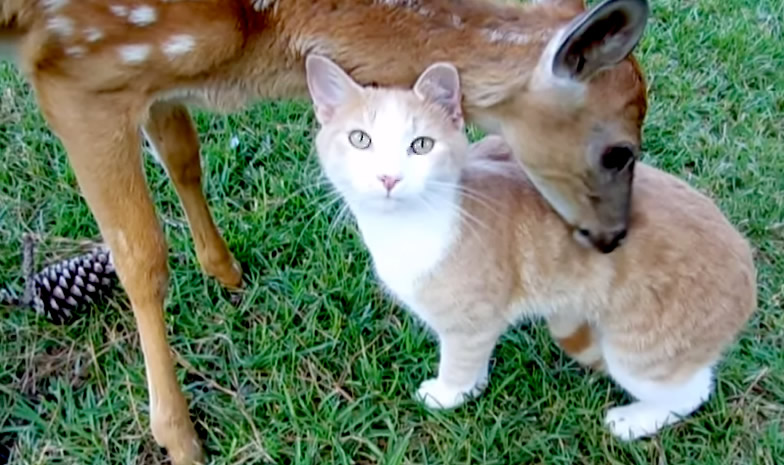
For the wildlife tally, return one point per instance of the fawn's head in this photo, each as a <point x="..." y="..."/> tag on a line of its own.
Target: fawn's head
<point x="577" y="124"/>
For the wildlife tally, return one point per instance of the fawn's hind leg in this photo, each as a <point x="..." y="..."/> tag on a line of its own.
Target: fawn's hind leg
<point x="659" y="402"/>
<point x="171" y="132"/>
<point x="577" y="338"/>
<point x="104" y="149"/>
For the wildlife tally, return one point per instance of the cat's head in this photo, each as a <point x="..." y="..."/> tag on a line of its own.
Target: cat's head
<point x="388" y="148"/>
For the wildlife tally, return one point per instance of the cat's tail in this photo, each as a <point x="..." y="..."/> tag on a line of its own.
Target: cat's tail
<point x="577" y="338"/>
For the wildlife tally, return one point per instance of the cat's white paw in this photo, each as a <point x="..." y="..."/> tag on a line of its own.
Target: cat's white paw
<point x="637" y="420"/>
<point x="438" y="395"/>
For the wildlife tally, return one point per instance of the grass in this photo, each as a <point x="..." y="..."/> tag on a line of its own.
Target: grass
<point x="315" y="365"/>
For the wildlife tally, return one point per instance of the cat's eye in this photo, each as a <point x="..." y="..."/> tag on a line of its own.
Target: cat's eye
<point x="359" y="139"/>
<point x="421" y="145"/>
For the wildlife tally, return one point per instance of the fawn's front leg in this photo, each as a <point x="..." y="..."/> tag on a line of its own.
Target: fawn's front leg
<point x="104" y="149"/>
<point x="462" y="369"/>
<point x="171" y="132"/>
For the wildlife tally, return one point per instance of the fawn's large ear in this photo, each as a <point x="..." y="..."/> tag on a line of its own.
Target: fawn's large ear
<point x="329" y="86"/>
<point x="599" y="38"/>
<point x="440" y="84"/>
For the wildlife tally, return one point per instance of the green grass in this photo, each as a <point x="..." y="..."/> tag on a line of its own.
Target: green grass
<point x="316" y="365"/>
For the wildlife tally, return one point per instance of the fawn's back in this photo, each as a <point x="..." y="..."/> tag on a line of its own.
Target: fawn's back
<point x="126" y="54"/>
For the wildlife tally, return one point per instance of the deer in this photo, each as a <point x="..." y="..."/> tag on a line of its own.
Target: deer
<point x="556" y="79"/>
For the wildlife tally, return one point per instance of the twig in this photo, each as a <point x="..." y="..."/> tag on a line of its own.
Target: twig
<point x="28" y="268"/>
<point x="211" y="382"/>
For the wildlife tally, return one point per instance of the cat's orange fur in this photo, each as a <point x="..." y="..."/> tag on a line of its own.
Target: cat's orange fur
<point x="470" y="246"/>
<point x="104" y="69"/>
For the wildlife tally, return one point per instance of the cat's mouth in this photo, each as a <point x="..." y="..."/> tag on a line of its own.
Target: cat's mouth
<point x="384" y="202"/>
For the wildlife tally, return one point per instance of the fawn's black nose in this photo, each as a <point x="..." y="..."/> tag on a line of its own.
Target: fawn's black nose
<point x="606" y="243"/>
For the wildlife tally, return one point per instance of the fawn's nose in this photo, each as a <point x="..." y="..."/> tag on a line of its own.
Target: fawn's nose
<point x="605" y="243"/>
<point x="389" y="182"/>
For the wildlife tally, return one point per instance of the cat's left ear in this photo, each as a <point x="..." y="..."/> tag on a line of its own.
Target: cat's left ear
<point x="440" y="84"/>
<point x="329" y="86"/>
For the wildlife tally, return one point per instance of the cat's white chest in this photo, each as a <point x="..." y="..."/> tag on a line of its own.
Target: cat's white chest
<point x="407" y="246"/>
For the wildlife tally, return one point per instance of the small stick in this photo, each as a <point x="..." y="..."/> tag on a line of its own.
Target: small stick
<point x="28" y="268"/>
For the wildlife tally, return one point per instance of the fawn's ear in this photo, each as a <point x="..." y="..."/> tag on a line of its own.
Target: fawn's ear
<point x="329" y="86"/>
<point x="440" y="84"/>
<point x="599" y="38"/>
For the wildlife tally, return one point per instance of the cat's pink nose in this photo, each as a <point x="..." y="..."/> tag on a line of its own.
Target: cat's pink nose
<point x="389" y="181"/>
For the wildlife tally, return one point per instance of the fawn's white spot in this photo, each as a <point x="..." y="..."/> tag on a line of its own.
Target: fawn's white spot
<point x="119" y="10"/>
<point x="134" y="54"/>
<point x="77" y="51"/>
<point x="415" y="5"/>
<point x="260" y="5"/>
<point x="143" y="15"/>
<point x="514" y="37"/>
<point x="54" y="5"/>
<point x="92" y="34"/>
<point x="403" y="3"/>
<point x="178" y="44"/>
<point x="426" y="12"/>
<point x="153" y="149"/>
<point x="60" y="25"/>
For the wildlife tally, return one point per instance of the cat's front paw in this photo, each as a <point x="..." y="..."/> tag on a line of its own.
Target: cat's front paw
<point x="637" y="420"/>
<point x="438" y="395"/>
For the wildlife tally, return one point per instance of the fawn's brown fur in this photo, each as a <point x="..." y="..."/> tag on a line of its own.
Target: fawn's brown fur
<point x="103" y="70"/>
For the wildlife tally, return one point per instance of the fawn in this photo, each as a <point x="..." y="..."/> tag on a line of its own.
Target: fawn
<point x="108" y="72"/>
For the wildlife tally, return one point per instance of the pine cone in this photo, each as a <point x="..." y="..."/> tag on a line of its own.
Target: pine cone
<point x="61" y="290"/>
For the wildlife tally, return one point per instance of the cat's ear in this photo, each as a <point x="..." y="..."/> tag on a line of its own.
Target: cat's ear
<point x="329" y="86"/>
<point x="440" y="84"/>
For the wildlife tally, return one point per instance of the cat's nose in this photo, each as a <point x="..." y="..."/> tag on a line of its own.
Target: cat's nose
<point x="388" y="181"/>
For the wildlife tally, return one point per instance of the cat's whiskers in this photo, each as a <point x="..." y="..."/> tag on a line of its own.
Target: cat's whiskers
<point x="328" y="204"/>
<point x="320" y="183"/>
<point x="484" y="200"/>
<point x="472" y="222"/>
<point x="343" y="213"/>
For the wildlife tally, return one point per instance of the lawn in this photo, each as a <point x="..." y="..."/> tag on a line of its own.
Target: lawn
<point x="315" y="365"/>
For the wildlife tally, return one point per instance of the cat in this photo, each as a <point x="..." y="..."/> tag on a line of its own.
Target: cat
<point x="458" y="234"/>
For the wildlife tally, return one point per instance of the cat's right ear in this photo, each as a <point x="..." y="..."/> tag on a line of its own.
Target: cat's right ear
<point x="440" y="84"/>
<point x="329" y="86"/>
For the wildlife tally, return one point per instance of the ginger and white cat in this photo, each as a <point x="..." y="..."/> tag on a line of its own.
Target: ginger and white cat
<point x="458" y="233"/>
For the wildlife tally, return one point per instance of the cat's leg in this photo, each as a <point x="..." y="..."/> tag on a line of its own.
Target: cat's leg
<point x="578" y="338"/>
<point x="462" y="369"/>
<point x="659" y="403"/>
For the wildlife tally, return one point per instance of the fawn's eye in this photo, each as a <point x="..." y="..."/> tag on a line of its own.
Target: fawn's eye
<point x="421" y="145"/>
<point x="359" y="139"/>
